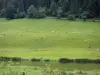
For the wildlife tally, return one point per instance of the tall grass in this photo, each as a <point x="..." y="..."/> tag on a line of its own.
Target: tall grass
<point x="46" y="70"/>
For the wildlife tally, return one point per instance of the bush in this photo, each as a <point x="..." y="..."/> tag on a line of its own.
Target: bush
<point x="5" y="59"/>
<point x="97" y="61"/>
<point x="71" y="17"/>
<point x="31" y="12"/>
<point x="42" y="10"/>
<point x="2" y="13"/>
<point x="22" y="14"/>
<point x="40" y="15"/>
<point x="65" y="14"/>
<point x="58" y="16"/>
<point x="83" y="61"/>
<point x="48" y="12"/>
<point x="10" y="59"/>
<point x="53" y="9"/>
<point x="10" y="11"/>
<point x="65" y="60"/>
<point x="85" y="14"/>
<point x="93" y="20"/>
<point x="59" y="13"/>
<point x="16" y="16"/>
<point x="35" y="60"/>
<point x="47" y="60"/>
<point x="62" y="60"/>
<point x="84" y="18"/>
<point x="19" y="15"/>
<point x="16" y="59"/>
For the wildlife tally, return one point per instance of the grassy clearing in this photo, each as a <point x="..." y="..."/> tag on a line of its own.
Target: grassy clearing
<point x="49" y="38"/>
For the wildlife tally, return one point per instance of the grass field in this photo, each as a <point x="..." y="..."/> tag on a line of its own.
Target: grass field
<point x="49" y="38"/>
<point x="52" y="39"/>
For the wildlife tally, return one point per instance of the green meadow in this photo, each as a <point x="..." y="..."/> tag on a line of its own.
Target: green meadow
<point x="49" y="38"/>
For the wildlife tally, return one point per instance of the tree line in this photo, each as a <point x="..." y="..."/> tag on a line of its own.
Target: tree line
<point x="83" y="9"/>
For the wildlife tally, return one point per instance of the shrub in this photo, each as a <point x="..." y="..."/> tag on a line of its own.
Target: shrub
<point x="47" y="60"/>
<point x="65" y="60"/>
<point x="53" y="14"/>
<point x="58" y="16"/>
<point x="48" y="12"/>
<point x="71" y="17"/>
<point x="5" y="59"/>
<point x="2" y="13"/>
<point x="16" y="16"/>
<point x="31" y="12"/>
<point x="93" y="20"/>
<point x="40" y="15"/>
<point x="65" y="14"/>
<point x="85" y="14"/>
<point x="42" y="10"/>
<point x="84" y="18"/>
<point x="15" y="59"/>
<point x="62" y="60"/>
<point x="59" y="13"/>
<point x="10" y="11"/>
<point x="53" y="9"/>
<point x="81" y="60"/>
<point x="22" y="14"/>
<point x="35" y="60"/>
<point x="97" y="61"/>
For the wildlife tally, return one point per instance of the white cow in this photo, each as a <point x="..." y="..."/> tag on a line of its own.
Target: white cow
<point x="98" y="49"/>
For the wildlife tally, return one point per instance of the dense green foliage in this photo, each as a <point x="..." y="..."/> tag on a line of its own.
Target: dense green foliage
<point x="32" y="12"/>
<point x="71" y="17"/>
<point x="57" y="8"/>
<point x="10" y="11"/>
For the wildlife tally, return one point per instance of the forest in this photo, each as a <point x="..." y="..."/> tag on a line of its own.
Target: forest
<point x="82" y="9"/>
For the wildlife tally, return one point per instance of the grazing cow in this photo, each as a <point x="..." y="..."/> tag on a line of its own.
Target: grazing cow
<point x="89" y="47"/>
<point x="52" y="31"/>
<point x="73" y="32"/>
<point x="4" y="34"/>
<point x="98" y="49"/>
<point x="21" y="34"/>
